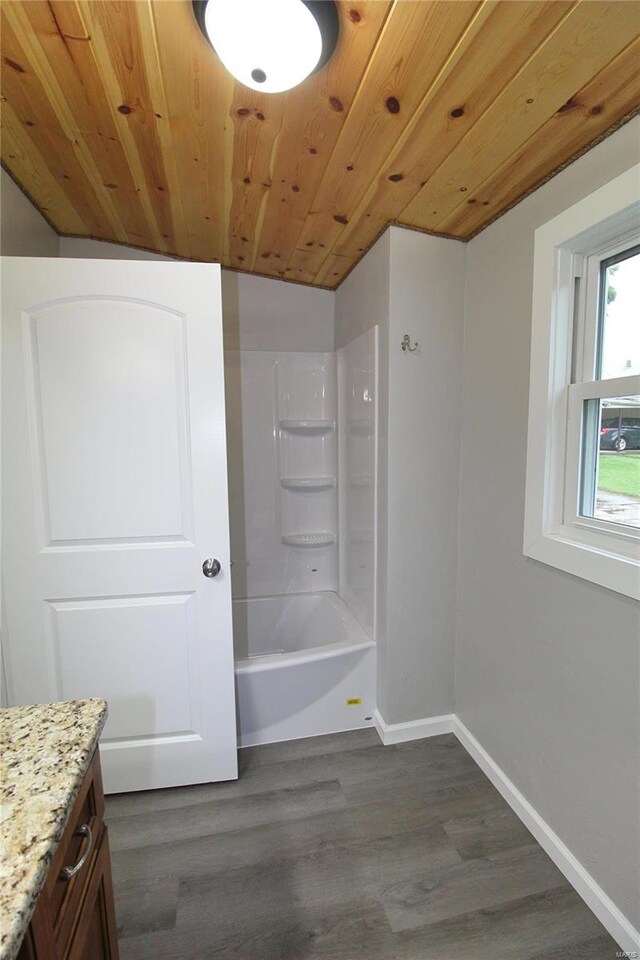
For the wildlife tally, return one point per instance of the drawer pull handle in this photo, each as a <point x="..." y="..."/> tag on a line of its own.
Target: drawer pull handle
<point x="67" y="872"/>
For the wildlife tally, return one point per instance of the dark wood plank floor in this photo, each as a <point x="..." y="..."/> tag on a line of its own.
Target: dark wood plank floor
<point x="337" y="848"/>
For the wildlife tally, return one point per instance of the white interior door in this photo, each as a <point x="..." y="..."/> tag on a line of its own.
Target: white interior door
<point x="114" y="493"/>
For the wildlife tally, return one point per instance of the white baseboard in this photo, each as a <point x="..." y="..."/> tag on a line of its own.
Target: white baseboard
<point x="391" y="733"/>
<point x="615" y="922"/>
<point x="593" y="895"/>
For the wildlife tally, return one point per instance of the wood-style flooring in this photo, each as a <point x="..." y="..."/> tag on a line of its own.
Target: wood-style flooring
<point x="337" y="848"/>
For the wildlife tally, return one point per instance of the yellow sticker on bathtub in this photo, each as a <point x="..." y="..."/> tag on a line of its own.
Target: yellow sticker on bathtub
<point x="354" y="701"/>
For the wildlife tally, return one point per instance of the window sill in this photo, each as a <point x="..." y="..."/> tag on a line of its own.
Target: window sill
<point x="587" y="561"/>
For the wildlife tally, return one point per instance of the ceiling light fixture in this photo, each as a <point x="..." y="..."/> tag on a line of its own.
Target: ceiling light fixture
<point x="270" y="45"/>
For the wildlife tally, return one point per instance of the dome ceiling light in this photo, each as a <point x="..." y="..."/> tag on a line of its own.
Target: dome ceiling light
<point x="270" y="45"/>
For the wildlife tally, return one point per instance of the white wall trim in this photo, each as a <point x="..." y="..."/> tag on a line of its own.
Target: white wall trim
<point x="391" y="733"/>
<point x="553" y="533"/>
<point x="593" y="895"/>
<point x="614" y="921"/>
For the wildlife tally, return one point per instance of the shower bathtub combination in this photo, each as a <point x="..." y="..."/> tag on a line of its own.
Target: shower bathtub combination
<point x="304" y="667"/>
<point x="301" y="429"/>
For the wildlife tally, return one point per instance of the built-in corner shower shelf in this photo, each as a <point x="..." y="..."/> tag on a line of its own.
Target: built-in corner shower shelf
<point x="307" y="426"/>
<point x="321" y="539"/>
<point x="308" y="483"/>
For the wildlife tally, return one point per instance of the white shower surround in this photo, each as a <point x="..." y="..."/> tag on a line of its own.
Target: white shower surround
<point x="270" y="396"/>
<point x="301" y="651"/>
<point x="302" y="658"/>
<point x="357" y="439"/>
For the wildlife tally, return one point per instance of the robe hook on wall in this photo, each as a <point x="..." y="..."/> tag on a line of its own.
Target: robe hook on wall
<point x="405" y="343"/>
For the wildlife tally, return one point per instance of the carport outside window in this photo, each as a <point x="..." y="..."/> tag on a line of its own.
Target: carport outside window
<point x="610" y="488"/>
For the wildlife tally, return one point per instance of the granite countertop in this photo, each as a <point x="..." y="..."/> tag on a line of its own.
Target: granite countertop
<point x="45" y="751"/>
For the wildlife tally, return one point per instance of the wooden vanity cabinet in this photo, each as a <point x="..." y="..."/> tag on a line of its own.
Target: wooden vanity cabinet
<point x="74" y="918"/>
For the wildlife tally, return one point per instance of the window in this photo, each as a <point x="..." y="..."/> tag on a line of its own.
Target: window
<point x="582" y="510"/>
<point x="604" y="483"/>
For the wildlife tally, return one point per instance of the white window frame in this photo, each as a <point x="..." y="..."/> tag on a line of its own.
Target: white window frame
<point x="568" y="251"/>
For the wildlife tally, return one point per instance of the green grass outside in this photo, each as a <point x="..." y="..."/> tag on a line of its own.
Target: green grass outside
<point x="619" y="473"/>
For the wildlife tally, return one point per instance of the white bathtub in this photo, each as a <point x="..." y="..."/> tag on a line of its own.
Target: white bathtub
<point x="299" y="660"/>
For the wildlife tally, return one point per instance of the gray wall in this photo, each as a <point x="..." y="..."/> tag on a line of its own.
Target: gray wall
<point x="362" y="300"/>
<point x="83" y="248"/>
<point x="23" y="231"/>
<point x="411" y="283"/>
<point x="547" y="665"/>
<point x="427" y="302"/>
<point x="265" y="314"/>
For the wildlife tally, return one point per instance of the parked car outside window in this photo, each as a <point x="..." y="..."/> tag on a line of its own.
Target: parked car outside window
<point x="621" y="434"/>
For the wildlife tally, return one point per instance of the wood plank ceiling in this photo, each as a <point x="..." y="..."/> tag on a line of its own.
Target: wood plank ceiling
<point x="119" y="122"/>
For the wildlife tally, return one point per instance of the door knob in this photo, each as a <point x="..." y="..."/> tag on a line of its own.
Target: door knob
<point x="211" y="567"/>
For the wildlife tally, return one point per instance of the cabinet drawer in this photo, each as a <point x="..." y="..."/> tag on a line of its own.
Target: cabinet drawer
<point x="74" y="916"/>
<point x="75" y="857"/>
<point x="95" y="937"/>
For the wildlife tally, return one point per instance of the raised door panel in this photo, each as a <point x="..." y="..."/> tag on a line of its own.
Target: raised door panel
<point x="138" y="651"/>
<point x="109" y="420"/>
